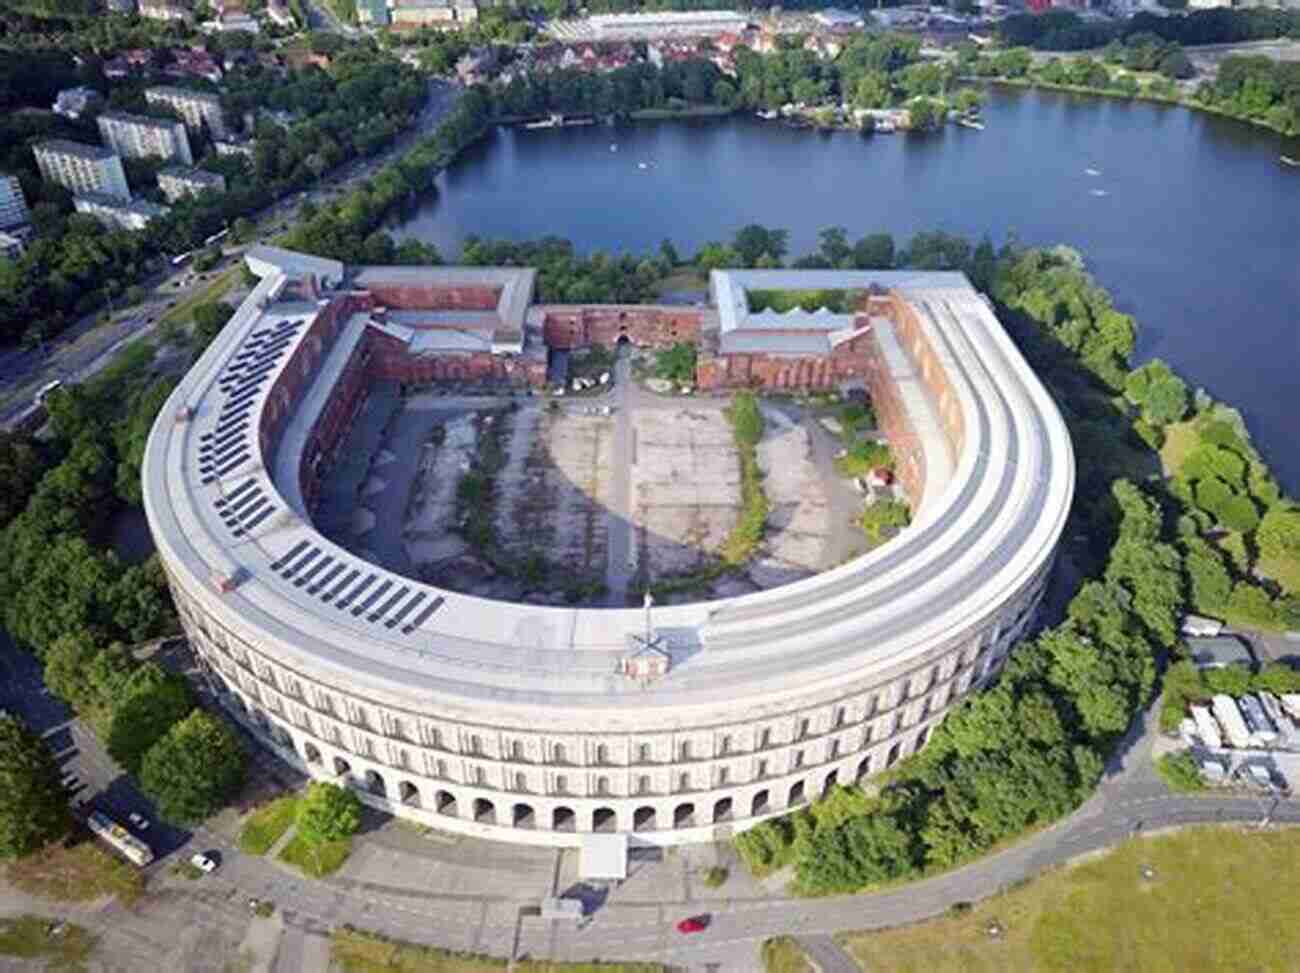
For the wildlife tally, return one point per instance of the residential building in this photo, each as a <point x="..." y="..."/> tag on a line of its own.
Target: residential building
<point x="666" y="23"/>
<point x="13" y="204"/>
<point x="433" y="13"/>
<point x="230" y="147"/>
<point x="11" y="246"/>
<point x="193" y="62"/>
<point x="164" y="10"/>
<point x="81" y="168"/>
<point x="75" y="102"/>
<point x="198" y="108"/>
<point x="278" y="12"/>
<point x="177" y="182"/>
<point x="373" y="13"/>
<point x="141" y="136"/>
<point x="121" y="6"/>
<point x="125" y="214"/>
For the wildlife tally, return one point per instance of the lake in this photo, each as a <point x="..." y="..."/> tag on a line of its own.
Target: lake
<point x="1192" y="223"/>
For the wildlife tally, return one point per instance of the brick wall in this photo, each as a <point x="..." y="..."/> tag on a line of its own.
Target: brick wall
<point x="933" y="374"/>
<point x="430" y="297"/>
<point x="391" y="360"/>
<point x="652" y="327"/>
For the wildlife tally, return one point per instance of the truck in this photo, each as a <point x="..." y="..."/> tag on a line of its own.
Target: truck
<point x="126" y="844"/>
<point x="1229" y="717"/>
<point x="1206" y="728"/>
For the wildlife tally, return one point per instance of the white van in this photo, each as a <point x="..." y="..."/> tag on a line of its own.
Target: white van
<point x="45" y="391"/>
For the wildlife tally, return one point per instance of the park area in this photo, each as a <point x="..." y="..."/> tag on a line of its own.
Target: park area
<point x="1203" y="899"/>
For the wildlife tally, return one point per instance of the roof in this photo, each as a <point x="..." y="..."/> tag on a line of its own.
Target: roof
<point x="192" y="175"/>
<point x="141" y="207"/>
<point x="1219" y="651"/>
<point x="985" y="530"/>
<point x="603" y="857"/>
<point x="147" y="120"/>
<point x="264" y="259"/>
<point x="171" y="91"/>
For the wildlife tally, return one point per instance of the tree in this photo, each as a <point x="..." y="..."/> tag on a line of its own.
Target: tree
<point x="193" y="769"/>
<point x="328" y="813"/>
<point x="209" y="319"/>
<point x="754" y="241"/>
<point x="1250" y="606"/>
<point x="834" y="246"/>
<point x="1278" y="535"/>
<point x="150" y="703"/>
<point x="1160" y="393"/>
<point x="33" y="805"/>
<point x="874" y="252"/>
<point x="677" y="363"/>
<point x="1207" y="576"/>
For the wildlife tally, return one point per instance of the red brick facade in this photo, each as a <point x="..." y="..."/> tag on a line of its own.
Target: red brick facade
<point x="604" y="324"/>
<point x="391" y="360"/>
<point x="848" y="360"/>
<point x="435" y="297"/>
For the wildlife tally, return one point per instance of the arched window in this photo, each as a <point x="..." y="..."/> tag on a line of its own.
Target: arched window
<point x="561" y="784"/>
<point x="517" y="750"/>
<point x="684" y="750"/>
<point x="557" y="754"/>
<point x="602" y="753"/>
<point x="643" y="753"/>
<point x="602" y="785"/>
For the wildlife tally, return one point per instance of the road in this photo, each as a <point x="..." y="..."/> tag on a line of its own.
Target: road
<point x="468" y="894"/>
<point x="88" y="346"/>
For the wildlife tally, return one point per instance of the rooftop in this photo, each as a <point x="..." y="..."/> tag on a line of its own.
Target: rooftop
<point x="219" y="507"/>
<point x="82" y="149"/>
<point x="150" y="121"/>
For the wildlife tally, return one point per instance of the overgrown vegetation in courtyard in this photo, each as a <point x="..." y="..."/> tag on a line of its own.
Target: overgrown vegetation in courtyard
<point x="1185" y="684"/>
<point x="63" y="945"/>
<point x="80" y="870"/>
<point x="676" y="363"/>
<point x="836" y="300"/>
<point x="1215" y="899"/>
<point x="265" y="826"/>
<point x="747" y="427"/>
<point x="886" y="514"/>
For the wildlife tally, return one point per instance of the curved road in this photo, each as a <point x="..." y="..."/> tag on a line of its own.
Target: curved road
<point x="483" y="896"/>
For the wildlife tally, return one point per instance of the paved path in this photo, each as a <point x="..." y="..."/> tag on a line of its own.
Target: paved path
<point x="468" y="894"/>
<point x="826" y="954"/>
<point x="620" y="566"/>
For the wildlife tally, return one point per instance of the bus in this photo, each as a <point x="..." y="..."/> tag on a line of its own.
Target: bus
<point x="216" y="236"/>
<point x="180" y="258"/>
<point x="134" y="850"/>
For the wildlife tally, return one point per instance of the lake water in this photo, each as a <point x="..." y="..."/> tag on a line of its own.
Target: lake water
<point x="1192" y="224"/>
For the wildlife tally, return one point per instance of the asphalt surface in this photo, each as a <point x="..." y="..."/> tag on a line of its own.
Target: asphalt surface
<point x="483" y="896"/>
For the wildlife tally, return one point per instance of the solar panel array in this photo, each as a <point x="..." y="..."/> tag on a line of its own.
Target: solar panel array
<point x="226" y="446"/>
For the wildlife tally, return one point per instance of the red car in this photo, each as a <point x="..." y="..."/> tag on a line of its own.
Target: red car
<point x="693" y="924"/>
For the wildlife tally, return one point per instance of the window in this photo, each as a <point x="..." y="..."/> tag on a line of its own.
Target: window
<point x="475" y="744"/>
<point x="521" y="781"/>
<point x="558" y="755"/>
<point x="925" y="709"/>
<point x="684" y="782"/>
<point x="869" y="710"/>
<point x="804" y="727"/>
<point x="904" y="691"/>
<point x="922" y="737"/>
<point x="724" y="746"/>
<point x="440" y="768"/>
<point x="435" y="737"/>
<point x="866" y="734"/>
<point x="833" y="750"/>
<point x="765" y="739"/>
<point x="643" y="784"/>
<point x="561" y="784"/>
<point x="724" y="774"/>
<point x="762" y="768"/>
<point x="643" y="753"/>
<point x="798" y="759"/>
<point x="398" y="728"/>
<point x="684" y="751"/>
<point x="480" y="776"/>
<point x="517" y="750"/>
<point x="602" y="753"/>
<point x="839" y="717"/>
<point x="602" y="785"/>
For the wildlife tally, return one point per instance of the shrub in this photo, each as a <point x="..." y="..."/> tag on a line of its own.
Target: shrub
<point x="1180" y="772"/>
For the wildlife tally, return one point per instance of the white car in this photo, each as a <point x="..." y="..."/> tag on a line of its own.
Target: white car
<point x="202" y="862"/>
<point x="139" y="820"/>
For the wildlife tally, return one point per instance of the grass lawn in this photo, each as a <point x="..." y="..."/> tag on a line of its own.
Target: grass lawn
<point x="1180" y="439"/>
<point x="1285" y="571"/>
<point x="182" y="313"/>
<point x="35" y="937"/>
<point x="263" y="827"/>
<point x="1220" y="899"/>
<point x="783" y="955"/>
<point x="317" y="863"/>
<point x="81" y="873"/>
<point x="354" y="951"/>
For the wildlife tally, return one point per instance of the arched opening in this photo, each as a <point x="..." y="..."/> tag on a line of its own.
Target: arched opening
<point x="832" y="779"/>
<point x="563" y="819"/>
<point x="864" y="767"/>
<point x="684" y="816"/>
<point x="623" y="339"/>
<point x="643" y="819"/>
<point x="341" y="767"/>
<point x="722" y="810"/>
<point x="238" y="702"/>
<point x="283" y="738"/>
<point x="311" y="753"/>
<point x="522" y="816"/>
<point x="409" y="793"/>
<point x="485" y="812"/>
<point x="603" y="819"/>
<point x="893" y="755"/>
<point x="761" y="803"/>
<point x="796" y="794"/>
<point x="375" y="784"/>
<point x="445" y="803"/>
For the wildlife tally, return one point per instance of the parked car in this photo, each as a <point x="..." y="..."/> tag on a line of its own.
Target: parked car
<point x="693" y="924"/>
<point x="138" y="820"/>
<point x="202" y="862"/>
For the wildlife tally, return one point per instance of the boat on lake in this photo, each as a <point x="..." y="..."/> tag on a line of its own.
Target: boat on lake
<point x="1098" y="192"/>
<point x="971" y="123"/>
<point x="1286" y="160"/>
<point x="1092" y="171"/>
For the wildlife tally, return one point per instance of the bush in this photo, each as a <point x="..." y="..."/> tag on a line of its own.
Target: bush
<point x="677" y="364"/>
<point x="714" y="877"/>
<point x="885" y="515"/>
<point x="1180" y="772"/>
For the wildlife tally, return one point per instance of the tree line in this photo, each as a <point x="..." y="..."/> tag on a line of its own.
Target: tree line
<point x="1064" y="30"/>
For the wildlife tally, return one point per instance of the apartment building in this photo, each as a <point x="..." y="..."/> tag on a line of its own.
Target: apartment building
<point x="177" y="182"/>
<point x="13" y="204"/>
<point x="198" y="108"/>
<point x="125" y="214"/>
<point x="141" y="136"/>
<point x="82" y="168"/>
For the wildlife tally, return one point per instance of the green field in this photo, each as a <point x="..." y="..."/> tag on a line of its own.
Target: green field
<point x="318" y="862"/>
<point x="1219" y="899"/>
<point x="263" y="827"/>
<point x="353" y="951"/>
